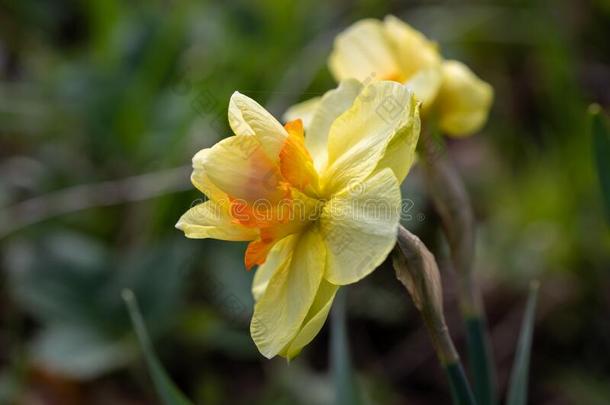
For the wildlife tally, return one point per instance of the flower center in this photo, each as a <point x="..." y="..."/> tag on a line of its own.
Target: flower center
<point x="293" y="200"/>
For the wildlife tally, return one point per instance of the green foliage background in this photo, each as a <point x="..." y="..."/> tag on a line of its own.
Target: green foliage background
<point x="102" y="105"/>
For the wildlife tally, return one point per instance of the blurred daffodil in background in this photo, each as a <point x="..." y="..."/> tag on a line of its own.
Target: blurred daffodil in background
<point x="320" y="211"/>
<point x="373" y="50"/>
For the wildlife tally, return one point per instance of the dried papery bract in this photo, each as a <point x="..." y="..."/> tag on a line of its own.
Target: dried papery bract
<point x="417" y="270"/>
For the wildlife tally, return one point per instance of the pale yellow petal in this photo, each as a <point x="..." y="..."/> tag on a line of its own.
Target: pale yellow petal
<point x="359" y="227"/>
<point x="290" y="293"/>
<point x="413" y="50"/>
<point x="239" y="167"/>
<point x="279" y="255"/>
<point x="425" y="85"/>
<point x="463" y="101"/>
<point x="211" y="220"/>
<point x="247" y="117"/>
<point x="314" y="321"/>
<point x="362" y="52"/>
<point x="400" y="154"/>
<point x="200" y="179"/>
<point x="334" y="103"/>
<point x="358" y="139"/>
<point x="303" y="111"/>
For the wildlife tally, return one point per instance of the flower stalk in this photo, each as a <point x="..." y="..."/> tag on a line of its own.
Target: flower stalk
<point x="346" y="388"/>
<point x="417" y="270"/>
<point x="452" y="203"/>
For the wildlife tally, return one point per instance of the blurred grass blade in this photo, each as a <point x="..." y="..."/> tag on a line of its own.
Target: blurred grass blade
<point x="167" y="391"/>
<point x="517" y="390"/>
<point x="346" y="390"/>
<point x="600" y="131"/>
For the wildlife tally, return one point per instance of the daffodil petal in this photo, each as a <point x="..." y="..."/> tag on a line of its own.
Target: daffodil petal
<point x="239" y="166"/>
<point x="463" y="101"/>
<point x="303" y="111"/>
<point x="247" y="117"/>
<point x="290" y="293"/>
<point x="279" y="255"/>
<point x="358" y="139"/>
<point x="200" y="179"/>
<point x="412" y="49"/>
<point x="211" y="220"/>
<point x="296" y="163"/>
<point x="399" y="154"/>
<point x="332" y="105"/>
<point x="362" y="52"/>
<point x="314" y="321"/>
<point x="425" y="84"/>
<point x="359" y="227"/>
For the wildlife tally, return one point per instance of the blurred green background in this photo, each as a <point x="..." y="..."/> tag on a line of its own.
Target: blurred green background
<point x="104" y="102"/>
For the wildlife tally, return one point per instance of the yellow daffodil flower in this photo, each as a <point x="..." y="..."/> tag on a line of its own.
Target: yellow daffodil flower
<point x="392" y="50"/>
<point x="320" y="209"/>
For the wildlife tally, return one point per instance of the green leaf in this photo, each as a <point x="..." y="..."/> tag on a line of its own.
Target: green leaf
<point x="72" y="286"/>
<point x="346" y="389"/>
<point x="166" y="389"/>
<point x="81" y="352"/>
<point x="517" y="390"/>
<point x="600" y="131"/>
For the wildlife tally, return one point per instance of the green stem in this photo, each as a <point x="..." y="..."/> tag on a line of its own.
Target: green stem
<point x="480" y="360"/>
<point x="417" y="270"/>
<point x="451" y="201"/>
<point x="460" y="390"/>
<point x="346" y="390"/>
<point x="461" y="393"/>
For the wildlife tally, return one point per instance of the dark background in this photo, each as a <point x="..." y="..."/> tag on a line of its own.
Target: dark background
<point x="104" y="102"/>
